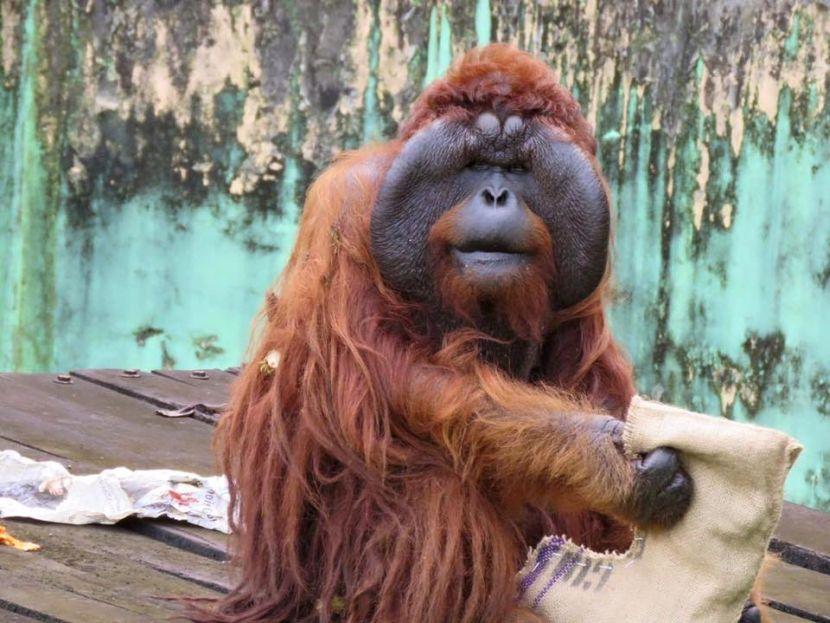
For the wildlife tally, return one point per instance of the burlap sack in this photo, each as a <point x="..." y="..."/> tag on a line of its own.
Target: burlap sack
<point x="703" y="569"/>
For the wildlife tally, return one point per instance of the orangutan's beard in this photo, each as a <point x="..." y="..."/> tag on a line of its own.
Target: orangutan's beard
<point x="516" y="299"/>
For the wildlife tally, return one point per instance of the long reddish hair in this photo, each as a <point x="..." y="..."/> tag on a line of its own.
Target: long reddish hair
<point x="339" y="502"/>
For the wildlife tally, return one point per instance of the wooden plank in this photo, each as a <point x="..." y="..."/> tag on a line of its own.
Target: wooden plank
<point x="97" y="429"/>
<point x="8" y="616"/>
<point x="207" y="543"/>
<point x="219" y="380"/>
<point x="803" y="538"/>
<point x="164" y="391"/>
<point x="89" y="428"/>
<point x="87" y="574"/>
<point x="805" y="526"/>
<point x="798" y="591"/>
<point x="77" y="417"/>
<point x="800" y="556"/>
<point x="33" y="453"/>
<point x="783" y="617"/>
<point x="120" y="542"/>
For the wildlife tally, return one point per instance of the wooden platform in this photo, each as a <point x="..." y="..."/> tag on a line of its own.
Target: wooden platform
<point x="122" y="574"/>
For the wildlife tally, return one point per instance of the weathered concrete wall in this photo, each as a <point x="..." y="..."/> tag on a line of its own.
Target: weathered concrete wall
<point x="153" y="156"/>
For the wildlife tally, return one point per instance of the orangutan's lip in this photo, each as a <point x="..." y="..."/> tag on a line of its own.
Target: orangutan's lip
<point x="502" y="259"/>
<point x="492" y="246"/>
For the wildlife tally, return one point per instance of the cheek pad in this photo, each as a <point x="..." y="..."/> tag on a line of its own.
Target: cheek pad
<point x="568" y="194"/>
<point x="406" y="209"/>
<point x="418" y="187"/>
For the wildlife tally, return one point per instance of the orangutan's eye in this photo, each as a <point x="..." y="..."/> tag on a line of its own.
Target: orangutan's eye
<point x="478" y="166"/>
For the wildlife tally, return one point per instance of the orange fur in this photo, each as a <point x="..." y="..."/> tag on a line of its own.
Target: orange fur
<point x="522" y="304"/>
<point x="378" y="477"/>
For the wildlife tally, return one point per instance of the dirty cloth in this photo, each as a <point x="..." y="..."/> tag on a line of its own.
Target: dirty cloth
<point x="701" y="570"/>
<point x="46" y="491"/>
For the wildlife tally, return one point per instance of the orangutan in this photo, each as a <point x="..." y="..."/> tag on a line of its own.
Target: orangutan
<point x="448" y="389"/>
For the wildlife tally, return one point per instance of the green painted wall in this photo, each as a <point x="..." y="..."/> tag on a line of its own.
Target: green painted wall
<point x="153" y="156"/>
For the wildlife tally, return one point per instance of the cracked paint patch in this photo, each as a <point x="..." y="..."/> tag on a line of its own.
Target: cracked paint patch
<point x="206" y="347"/>
<point x="146" y="332"/>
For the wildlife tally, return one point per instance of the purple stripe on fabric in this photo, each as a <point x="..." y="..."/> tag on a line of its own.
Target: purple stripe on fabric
<point x="564" y="570"/>
<point x="547" y="551"/>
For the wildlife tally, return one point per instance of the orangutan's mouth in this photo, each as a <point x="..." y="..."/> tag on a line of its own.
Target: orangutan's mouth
<point x="481" y="265"/>
<point x="492" y="249"/>
<point x="470" y="258"/>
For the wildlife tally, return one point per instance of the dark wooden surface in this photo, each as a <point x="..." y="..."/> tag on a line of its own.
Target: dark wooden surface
<point x="111" y="574"/>
<point x="126" y="573"/>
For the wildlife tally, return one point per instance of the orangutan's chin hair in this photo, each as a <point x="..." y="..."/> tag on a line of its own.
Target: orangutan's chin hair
<point x="520" y="301"/>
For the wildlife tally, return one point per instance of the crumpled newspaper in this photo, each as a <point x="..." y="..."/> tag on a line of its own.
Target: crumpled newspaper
<point x="46" y="491"/>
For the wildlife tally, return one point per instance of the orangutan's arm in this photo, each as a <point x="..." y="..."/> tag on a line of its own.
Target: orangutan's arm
<point x="534" y="442"/>
<point x="516" y="434"/>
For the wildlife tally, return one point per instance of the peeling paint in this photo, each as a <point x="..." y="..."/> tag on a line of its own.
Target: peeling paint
<point x="206" y="347"/>
<point x="444" y="42"/>
<point x="483" y="22"/>
<point x="432" y="47"/>
<point x="146" y="332"/>
<point x="726" y="215"/>
<point x="371" y="126"/>
<point x="9" y="25"/>
<point x="702" y="180"/>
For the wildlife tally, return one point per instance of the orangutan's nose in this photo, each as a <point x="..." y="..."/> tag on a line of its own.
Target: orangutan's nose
<point x="495" y="196"/>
